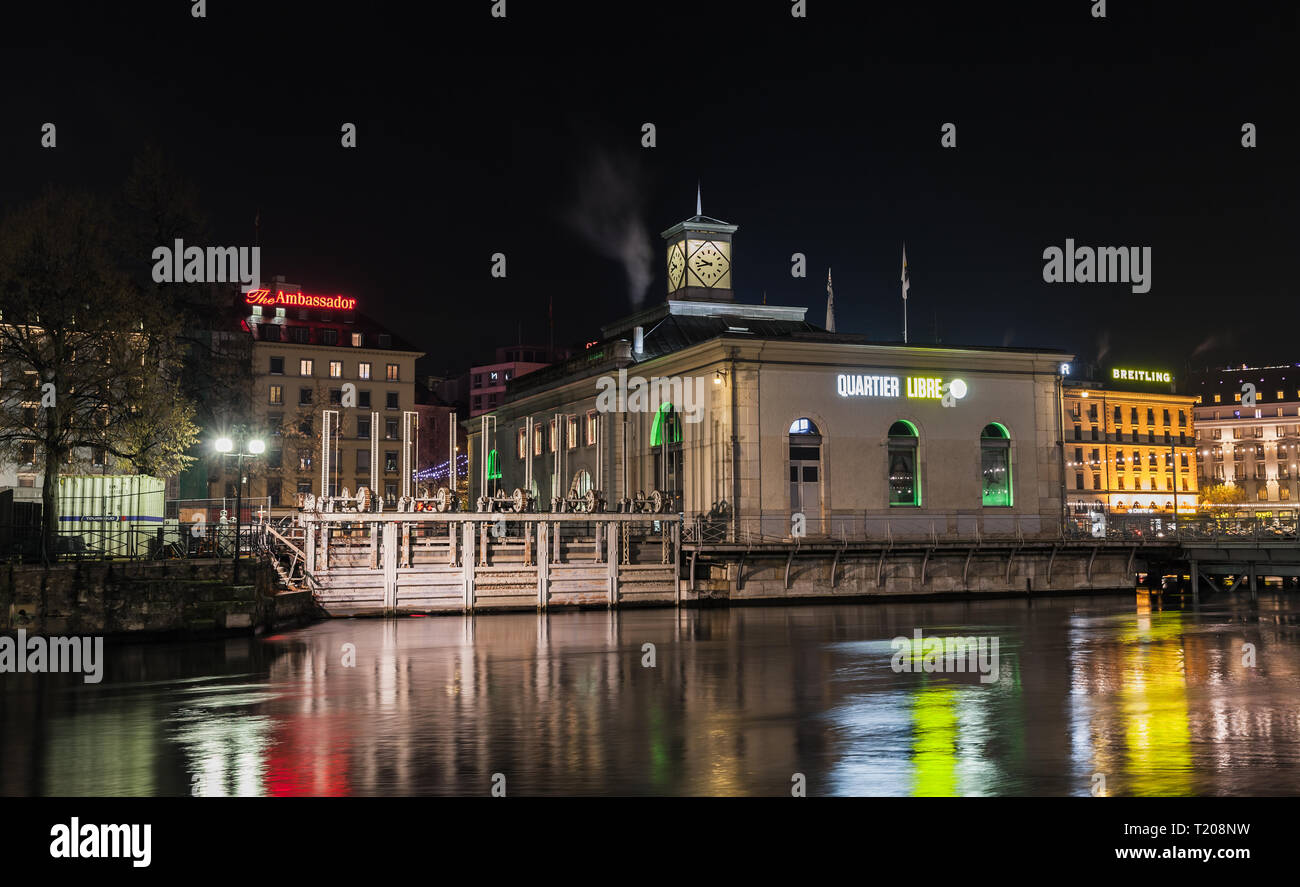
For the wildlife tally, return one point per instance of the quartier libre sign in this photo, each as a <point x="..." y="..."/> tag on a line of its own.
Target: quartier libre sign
<point x="1140" y="375"/>
<point x="917" y="387"/>
<point x="281" y="299"/>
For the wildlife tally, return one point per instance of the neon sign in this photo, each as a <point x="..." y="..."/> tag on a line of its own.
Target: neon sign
<point x="918" y="387"/>
<point x="298" y="300"/>
<point x="1140" y="375"/>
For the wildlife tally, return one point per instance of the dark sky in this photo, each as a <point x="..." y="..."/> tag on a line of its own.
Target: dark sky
<point x="817" y="135"/>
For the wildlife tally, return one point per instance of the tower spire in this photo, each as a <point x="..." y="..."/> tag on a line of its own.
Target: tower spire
<point x="699" y="206"/>
<point x="830" y="304"/>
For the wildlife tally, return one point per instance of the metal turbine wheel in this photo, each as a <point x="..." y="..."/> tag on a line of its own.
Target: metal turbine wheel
<point x="590" y="501"/>
<point x="363" y="498"/>
<point x="518" y="499"/>
<point x="656" y="501"/>
<point x="440" y="500"/>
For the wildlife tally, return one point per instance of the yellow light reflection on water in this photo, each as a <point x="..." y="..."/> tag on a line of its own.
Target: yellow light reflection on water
<point x="934" y="742"/>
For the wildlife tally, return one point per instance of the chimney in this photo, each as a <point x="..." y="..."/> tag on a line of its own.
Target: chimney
<point x="638" y="340"/>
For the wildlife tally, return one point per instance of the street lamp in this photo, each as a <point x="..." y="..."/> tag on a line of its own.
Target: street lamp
<point x="256" y="447"/>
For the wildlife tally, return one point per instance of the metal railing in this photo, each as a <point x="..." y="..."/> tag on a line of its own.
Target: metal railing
<point x="958" y="528"/>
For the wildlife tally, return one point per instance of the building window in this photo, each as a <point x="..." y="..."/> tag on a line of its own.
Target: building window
<point x="1182" y="418"/>
<point x="555" y="437"/>
<point x="572" y="438"/>
<point x="385" y="340"/>
<point x="522" y="448"/>
<point x="591" y="428"/>
<point x="1284" y="493"/>
<point x="390" y="460"/>
<point x="539" y="432"/>
<point x="363" y="461"/>
<point x="390" y="493"/>
<point x="1119" y="415"/>
<point x="304" y="396"/>
<point x="904" y="478"/>
<point x="336" y="369"/>
<point x="273" y="492"/>
<point x="1096" y="481"/>
<point x="277" y="366"/>
<point x="1263" y="493"/>
<point x="305" y="367"/>
<point x="995" y="465"/>
<point x="390" y="429"/>
<point x="305" y="426"/>
<point x="277" y="394"/>
<point x="805" y="468"/>
<point x="1078" y="480"/>
<point x="493" y="466"/>
<point x="667" y="426"/>
<point x="391" y="401"/>
<point x="1092" y="412"/>
<point x="358" y="340"/>
<point x="391" y="372"/>
<point x="363" y="399"/>
<point x="336" y="396"/>
<point x="329" y="337"/>
<point x="363" y="370"/>
<point x="363" y="426"/>
<point x="304" y="460"/>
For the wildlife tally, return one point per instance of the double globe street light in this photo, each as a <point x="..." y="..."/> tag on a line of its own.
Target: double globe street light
<point x="256" y="447"/>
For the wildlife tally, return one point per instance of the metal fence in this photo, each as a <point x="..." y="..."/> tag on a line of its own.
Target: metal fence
<point x="188" y="528"/>
<point x="978" y="528"/>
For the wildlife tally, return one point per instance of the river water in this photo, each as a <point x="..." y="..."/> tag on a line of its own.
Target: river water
<point x="1121" y="695"/>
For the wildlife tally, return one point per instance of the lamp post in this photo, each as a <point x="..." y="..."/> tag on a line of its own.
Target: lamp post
<point x="256" y="447"/>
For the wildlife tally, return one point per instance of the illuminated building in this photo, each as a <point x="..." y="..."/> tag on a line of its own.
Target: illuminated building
<point x="751" y="414"/>
<point x="1252" y="446"/>
<point x="487" y="382"/>
<point x="302" y="359"/>
<point x="1129" y="450"/>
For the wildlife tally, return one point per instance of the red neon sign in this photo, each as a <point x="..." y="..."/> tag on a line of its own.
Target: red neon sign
<point x="298" y="300"/>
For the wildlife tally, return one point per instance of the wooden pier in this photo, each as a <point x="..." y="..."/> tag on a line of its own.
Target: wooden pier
<point x="366" y="564"/>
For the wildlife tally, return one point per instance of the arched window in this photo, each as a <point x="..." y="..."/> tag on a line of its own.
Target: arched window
<point x="995" y="464"/>
<point x="805" y="468"/>
<point x="581" y="482"/>
<point x="494" y="469"/>
<point x="667" y="426"/>
<point x="666" y="440"/>
<point x="904" y="476"/>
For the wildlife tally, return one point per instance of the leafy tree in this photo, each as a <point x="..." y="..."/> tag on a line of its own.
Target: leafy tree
<point x="1223" y="494"/>
<point x="87" y="366"/>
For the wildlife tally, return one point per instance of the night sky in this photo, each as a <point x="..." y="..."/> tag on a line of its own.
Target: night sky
<point x="817" y="135"/>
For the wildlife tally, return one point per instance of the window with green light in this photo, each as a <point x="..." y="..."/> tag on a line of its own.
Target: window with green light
<point x="904" y="476"/>
<point x="995" y="465"/>
<point x="666" y="424"/>
<point x="494" y="469"/>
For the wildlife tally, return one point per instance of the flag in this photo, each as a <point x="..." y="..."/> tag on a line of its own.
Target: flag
<point x="830" y="303"/>
<point x="906" y="283"/>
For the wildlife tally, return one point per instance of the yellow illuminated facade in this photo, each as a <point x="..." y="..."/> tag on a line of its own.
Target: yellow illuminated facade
<point x="1129" y="451"/>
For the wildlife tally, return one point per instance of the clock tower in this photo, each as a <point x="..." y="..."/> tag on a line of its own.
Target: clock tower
<point x="699" y="259"/>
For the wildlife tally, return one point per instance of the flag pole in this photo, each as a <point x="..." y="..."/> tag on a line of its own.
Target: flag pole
<point x="906" y="284"/>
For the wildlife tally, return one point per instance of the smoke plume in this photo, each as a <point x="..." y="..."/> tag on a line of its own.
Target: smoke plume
<point x="609" y="214"/>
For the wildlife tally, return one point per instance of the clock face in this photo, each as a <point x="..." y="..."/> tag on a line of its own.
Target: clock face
<point x="708" y="263"/>
<point x="676" y="265"/>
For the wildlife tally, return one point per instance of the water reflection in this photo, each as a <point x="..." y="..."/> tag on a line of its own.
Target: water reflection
<point x="1157" y="699"/>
